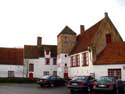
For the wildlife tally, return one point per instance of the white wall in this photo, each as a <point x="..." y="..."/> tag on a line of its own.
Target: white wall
<point x="102" y="70"/>
<point x="18" y="70"/>
<point x="98" y="70"/>
<point x="82" y="70"/>
<point x="61" y="61"/>
<point x="40" y="67"/>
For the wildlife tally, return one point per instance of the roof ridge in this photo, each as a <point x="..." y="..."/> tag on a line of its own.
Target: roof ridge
<point x="67" y="30"/>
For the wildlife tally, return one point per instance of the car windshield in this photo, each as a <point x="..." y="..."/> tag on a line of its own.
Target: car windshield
<point x="106" y="79"/>
<point x="80" y="78"/>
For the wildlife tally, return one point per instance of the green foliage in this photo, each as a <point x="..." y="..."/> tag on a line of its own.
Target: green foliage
<point x="17" y="80"/>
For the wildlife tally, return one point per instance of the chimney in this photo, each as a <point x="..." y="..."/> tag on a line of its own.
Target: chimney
<point x="39" y="41"/>
<point x="81" y="29"/>
<point x="106" y="14"/>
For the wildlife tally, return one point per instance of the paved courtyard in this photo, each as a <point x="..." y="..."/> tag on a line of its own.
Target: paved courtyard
<point x="30" y="89"/>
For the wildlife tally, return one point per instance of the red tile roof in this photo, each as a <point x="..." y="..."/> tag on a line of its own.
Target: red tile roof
<point x="11" y="56"/>
<point x="33" y="51"/>
<point x="113" y="53"/>
<point x="85" y="39"/>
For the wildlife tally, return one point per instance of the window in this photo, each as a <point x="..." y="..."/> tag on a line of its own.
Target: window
<point x="53" y="78"/>
<point x="47" y="61"/>
<point x="47" y="52"/>
<point x="108" y="38"/>
<point x="115" y="72"/>
<point x="55" y="73"/>
<point x="54" y="61"/>
<point x="65" y="55"/>
<point x="31" y="67"/>
<point x="77" y="60"/>
<point x="10" y="73"/>
<point x="74" y="61"/>
<point x="46" y="73"/>
<point x="85" y="59"/>
<point x="71" y="61"/>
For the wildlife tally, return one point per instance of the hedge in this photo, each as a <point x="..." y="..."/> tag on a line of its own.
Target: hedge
<point x="17" y="80"/>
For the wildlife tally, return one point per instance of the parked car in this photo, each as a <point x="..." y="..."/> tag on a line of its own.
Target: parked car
<point x="81" y="84"/>
<point x="51" y="81"/>
<point x="108" y="84"/>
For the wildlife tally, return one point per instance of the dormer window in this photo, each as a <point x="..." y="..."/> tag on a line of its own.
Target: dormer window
<point x="47" y="52"/>
<point x="108" y="38"/>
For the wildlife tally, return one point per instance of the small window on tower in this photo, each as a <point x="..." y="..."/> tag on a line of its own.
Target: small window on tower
<point x="65" y="55"/>
<point x="108" y="38"/>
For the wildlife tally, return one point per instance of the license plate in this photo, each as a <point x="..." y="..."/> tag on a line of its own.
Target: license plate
<point x="74" y="84"/>
<point x="101" y="85"/>
<point x="41" y="80"/>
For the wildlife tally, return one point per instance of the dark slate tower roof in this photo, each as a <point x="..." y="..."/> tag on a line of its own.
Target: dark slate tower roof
<point x="67" y="30"/>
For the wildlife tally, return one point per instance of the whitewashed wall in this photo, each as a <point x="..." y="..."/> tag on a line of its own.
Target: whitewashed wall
<point x="18" y="70"/>
<point x="40" y="67"/>
<point x="82" y="70"/>
<point x="102" y="70"/>
<point x="61" y="61"/>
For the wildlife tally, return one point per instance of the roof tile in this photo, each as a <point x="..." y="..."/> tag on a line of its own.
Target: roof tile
<point x="32" y="51"/>
<point x="85" y="39"/>
<point x="11" y="56"/>
<point x="113" y="53"/>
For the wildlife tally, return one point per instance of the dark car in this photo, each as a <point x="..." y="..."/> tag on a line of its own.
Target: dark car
<point x="51" y="81"/>
<point x="108" y="84"/>
<point x="81" y="84"/>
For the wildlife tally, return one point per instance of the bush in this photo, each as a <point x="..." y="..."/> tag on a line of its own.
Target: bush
<point x="17" y="80"/>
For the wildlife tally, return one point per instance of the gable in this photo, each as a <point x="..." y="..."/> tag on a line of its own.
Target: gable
<point x="95" y="38"/>
<point x="106" y="28"/>
<point x="85" y="39"/>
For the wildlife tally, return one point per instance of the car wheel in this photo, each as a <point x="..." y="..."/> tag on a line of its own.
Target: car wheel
<point x="72" y="91"/>
<point x="120" y="90"/>
<point x="52" y="85"/>
<point x="41" y="85"/>
<point x="115" y="91"/>
<point x="92" y="92"/>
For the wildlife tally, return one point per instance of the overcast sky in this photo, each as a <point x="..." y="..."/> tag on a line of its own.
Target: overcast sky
<point x="21" y="21"/>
